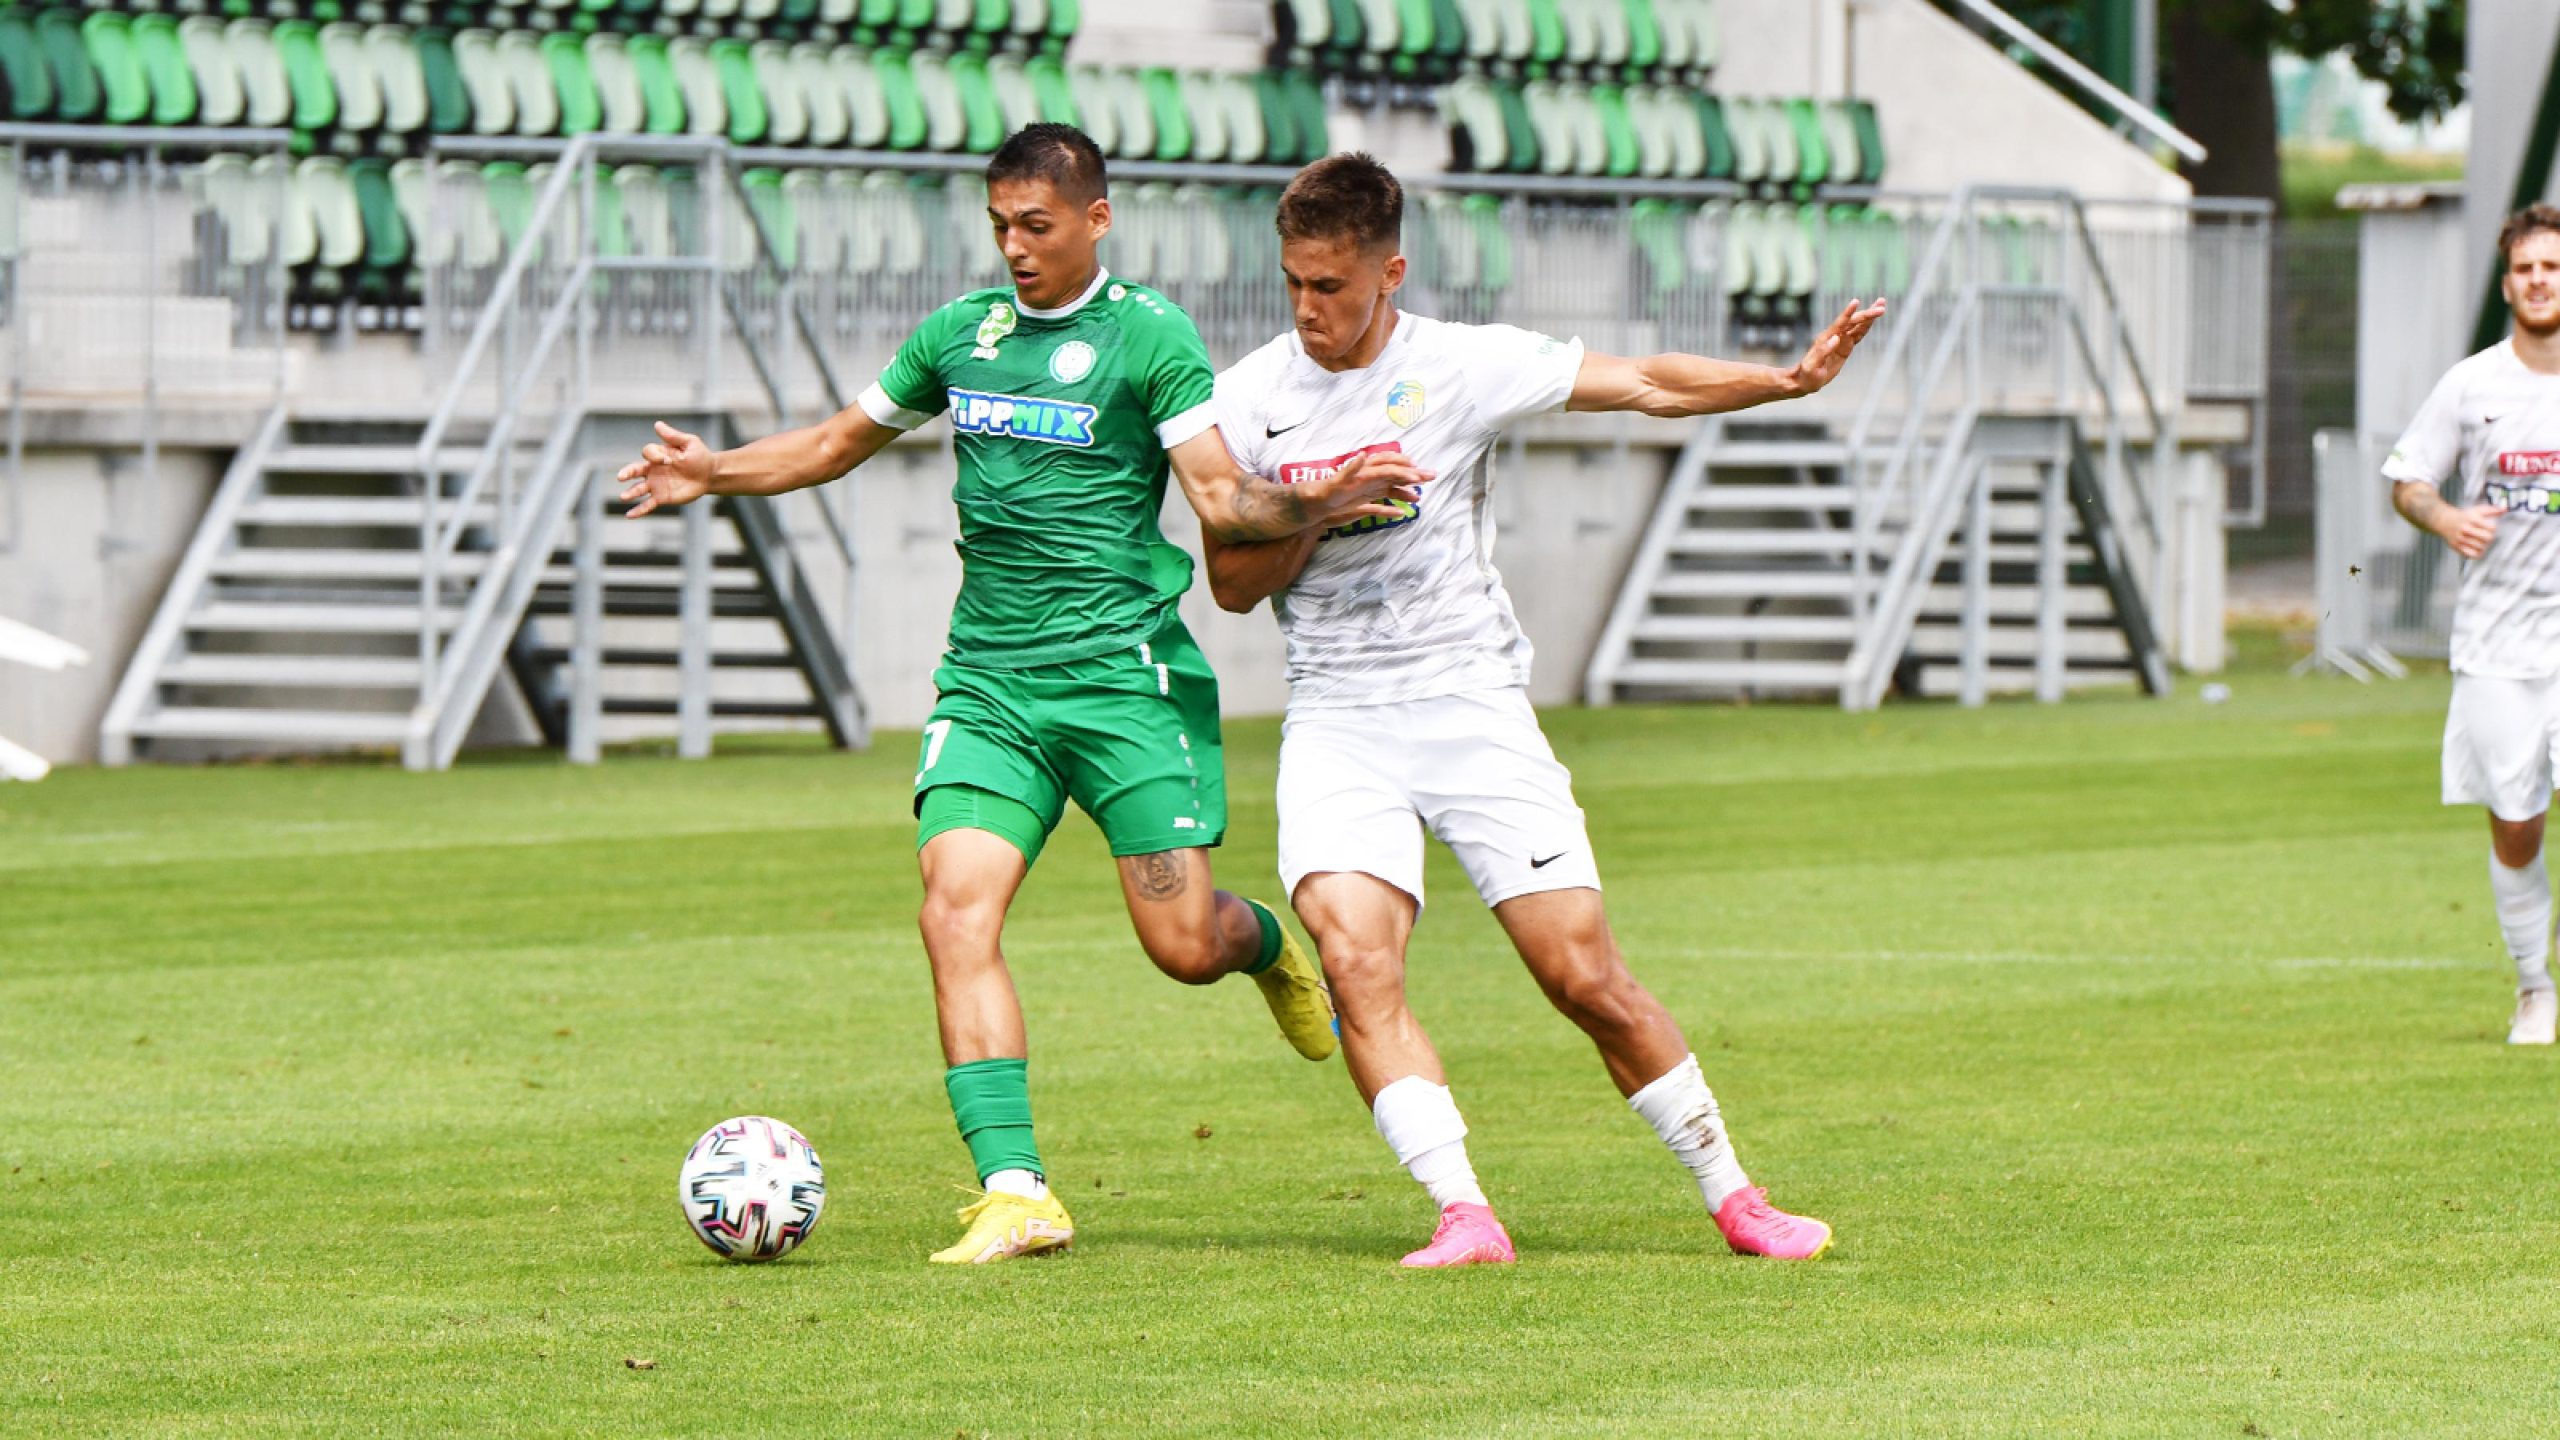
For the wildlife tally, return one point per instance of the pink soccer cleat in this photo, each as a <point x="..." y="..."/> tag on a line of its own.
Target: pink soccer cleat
<point x="1468" y="1235"/>
<point x="1752" y="1226"/>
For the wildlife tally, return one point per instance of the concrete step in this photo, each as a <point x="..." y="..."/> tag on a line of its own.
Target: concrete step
<point x="304" y="672"/>
<point x="1766" y="454"/>
<point x="316" y="727"/>
<point x="356" y="511"/>
<point x="1773" y="497"/>
<point x="325" y="459"/>
<point x="1764" y="542"/>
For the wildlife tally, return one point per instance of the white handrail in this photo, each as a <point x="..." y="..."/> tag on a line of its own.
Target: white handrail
<point x="2096" y="86"/>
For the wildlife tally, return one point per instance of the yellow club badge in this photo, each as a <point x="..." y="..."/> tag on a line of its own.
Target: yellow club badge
<point x="1404" y="404"/>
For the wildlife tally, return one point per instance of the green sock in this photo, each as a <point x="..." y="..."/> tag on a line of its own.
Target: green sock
<point x="1270" y="937"/>
<point x="992" y="1101"/>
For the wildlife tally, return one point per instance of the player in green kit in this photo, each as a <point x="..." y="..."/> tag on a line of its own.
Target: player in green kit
<point x="1068" y="674"/>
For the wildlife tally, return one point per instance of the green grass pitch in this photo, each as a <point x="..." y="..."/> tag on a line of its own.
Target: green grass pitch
<point x="2147" y="1056"/>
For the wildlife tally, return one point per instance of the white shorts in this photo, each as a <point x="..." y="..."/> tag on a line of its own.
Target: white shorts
<point x="1359" y="783"/>
<point x="2500" y="738"/>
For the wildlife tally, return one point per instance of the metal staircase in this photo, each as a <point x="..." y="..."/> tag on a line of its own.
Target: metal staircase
<point x="1983" y="522"/>
<point x="361" y="584"/>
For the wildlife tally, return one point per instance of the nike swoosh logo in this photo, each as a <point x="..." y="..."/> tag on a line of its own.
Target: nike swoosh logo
<point x="1271" y="432"/>
<point x="1536" y="864"/>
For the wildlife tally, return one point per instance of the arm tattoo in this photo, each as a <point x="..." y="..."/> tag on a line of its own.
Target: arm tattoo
<point x="2417" y="503"/>
<point x="1160" y="876"/>
<point x="1266" y="510"/>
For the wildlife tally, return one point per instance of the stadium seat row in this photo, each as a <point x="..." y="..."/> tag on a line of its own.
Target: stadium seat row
<point x="978" y="24"/>
<point x="1638" y="38"/>
<point x="1660" y="131"/>
<point x="396" y="85"/>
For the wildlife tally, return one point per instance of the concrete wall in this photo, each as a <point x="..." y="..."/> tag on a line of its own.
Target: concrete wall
<point x="100" y="542"/>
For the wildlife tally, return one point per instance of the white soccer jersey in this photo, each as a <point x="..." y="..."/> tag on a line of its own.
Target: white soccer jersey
<point x="2497" y="425"/>
<point x="1403" y="609"/>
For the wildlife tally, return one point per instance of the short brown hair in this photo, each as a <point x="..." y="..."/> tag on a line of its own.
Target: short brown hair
<point x="1349" y="197"/>
<point x="1060" y="154"/>
<point x="2522" y="223"/>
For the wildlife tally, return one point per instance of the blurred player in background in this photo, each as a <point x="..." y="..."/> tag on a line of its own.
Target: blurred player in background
<point x="1408" y="675"/>
<point x="2493" y="423"/>
<point x="1068" y="674"/>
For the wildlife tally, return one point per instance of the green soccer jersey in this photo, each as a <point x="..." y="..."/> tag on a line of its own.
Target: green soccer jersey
<point x="1063" y="417"/>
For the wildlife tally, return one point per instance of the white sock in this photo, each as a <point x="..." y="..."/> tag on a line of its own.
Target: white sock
<point x="2524" y="913"/>
<point x="1018" y="1182"/>
<point x="1420" y="1122"/>
<point x="1682" y="1110"/>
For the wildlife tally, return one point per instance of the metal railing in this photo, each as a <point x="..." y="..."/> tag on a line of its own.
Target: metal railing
<point x="140" y="271"/>
<point x="2129" y="112"/>
<point x="2384" y="588"/>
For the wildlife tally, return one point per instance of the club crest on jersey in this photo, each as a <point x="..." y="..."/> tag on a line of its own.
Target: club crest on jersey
<point x="1299" y="472"/>
<point x="1404" y="404"/>
<point x="1023" y="417"/>
<point x="992" y="330"/>
<point x="1071" y="362"/>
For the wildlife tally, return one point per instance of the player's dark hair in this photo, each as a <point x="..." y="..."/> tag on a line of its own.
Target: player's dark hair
<point x="1060" y="154"/>
<point x="2522" y="223"/>
<point x="1344" y="197"/>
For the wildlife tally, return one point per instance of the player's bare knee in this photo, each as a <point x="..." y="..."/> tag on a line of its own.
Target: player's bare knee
<point x="1189" y="956"/>
<point x="1365" y="978"/>
<point x="1595" y="991"/>
<point x="2516" y="842"/>
<point x="953" y="926"/>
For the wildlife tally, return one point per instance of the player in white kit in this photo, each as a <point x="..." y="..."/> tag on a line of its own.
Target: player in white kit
<point x="2493" y="422"/>
<point x="1408" y="705"/>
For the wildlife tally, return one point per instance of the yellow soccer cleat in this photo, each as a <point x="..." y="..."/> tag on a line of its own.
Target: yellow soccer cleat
<point x="1299" y="1000"/>
<point x="1002" y="1227"/>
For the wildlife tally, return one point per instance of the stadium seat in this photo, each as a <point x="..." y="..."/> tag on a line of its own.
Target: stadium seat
<point x="1247" y="141"/>
<point x="350" y="73"/>
<point x="1613" y="40"/>
<point x="163" y="59"/>
<point x="908" y="124"/>
<point x="1553" y="126"/>
<point x="448" y="96"/>
<point x="622" y="108"/>
<point x="1479" y="139"/>
<point x="1862" y="116"/>
<point x="1620" y="151"/>
<point x="866" y="103"/>
<point x="786" y="105"/>
<point x="1057" y="95"/>
<point x="946" y="117"/>
<point x="1813" y="153"/>
<point x="210" y="66"/>
<point x="493" y="101"/>
<point x="741" y="96"/>
<point x="661" y="94"/>
<point x="78" y="99"/>
<point x="124" y="91"/>
<point x="985" y="127"/>
<point x="315" y="96"/>
<point x="322" y="186"/>
<point x="22" y="65"/>
<point x="1840" y="137"/>
<point x="775" y="222"/>
<point x="830" y="117"/>
<point x="1205" y="116"/>
<point x="401" y="76"/>
<point x="1100" y="111"/>
<point x="386" y="234"/>
<point x="564" y="58"/>
<point x="1280" y="142"/>
<point x="1017" y="100"/>
<point x="1165" y="108"/>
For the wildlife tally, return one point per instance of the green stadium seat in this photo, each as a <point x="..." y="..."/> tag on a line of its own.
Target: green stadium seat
<point x="740" y="94"/>
<point x="1712" y="129"/>
<point x="510" y="200"/>
<point x="622" y="108"/>
<point x="386" y="235"/>
<point x="985" y="117"/>
<point x="1813" y="153"/>
<point x="1449" y="37"/>
<point x="315" y="96"/>
<point x="1862" y="116"/>
<point x="448" y="96"/>
<point x="1064" y="18"/>
<point x="165" y="71"/>
<point x="22" y="64"/>
<point x="1520" y="136"/>
<point x="1659" y="231"/>
<point x="1624" y="152"/>
<point x="916" y="16"/>
<point x="775" y="221"/>
<point x="78" y="98"/>
<point x="1493" y="242"/>
<point x="1347" y="32"/>
<point x="391" y="55"/>
<point x="106" y="37"/>
<point x="786" y="106"/>
<point x="866" y="102"/>
<point x="1546" y="31"/>
<point x="697" y="76"/>
<point x="909" y="126"/>
<point x="1280" y="144"/>
<point x="1306" y="104"/>
<point x="1644" y="36"/>
<point x="1057" y="95"/>
<point x="1448" y="241"/>
<point x="946" y="118"/>
<point x="661" y="95"/>
<point x="564" y="59"/>
<point x="1171" y="116"/>
<point x="830" y="122"/>
<point x="351" y="74"/>
<point x="1416" y="30"/>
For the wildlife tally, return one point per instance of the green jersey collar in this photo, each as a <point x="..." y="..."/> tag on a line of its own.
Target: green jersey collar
<point x="1101" y="277"/>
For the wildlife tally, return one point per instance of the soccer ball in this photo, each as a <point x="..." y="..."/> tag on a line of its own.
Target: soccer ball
<point x="752" y="1188"/>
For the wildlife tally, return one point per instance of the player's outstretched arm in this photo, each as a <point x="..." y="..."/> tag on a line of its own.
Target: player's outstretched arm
<point x="1669" y="385"/>
<point x="679" y="468"/>
<point x="1243" y="574"/>
<point x="1237" y="505"/>
<point x="2467" y="528"/>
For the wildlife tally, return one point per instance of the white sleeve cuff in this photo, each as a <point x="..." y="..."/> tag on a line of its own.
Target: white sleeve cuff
<point x="875" y="402"/>
<point x="1198" y="420"/>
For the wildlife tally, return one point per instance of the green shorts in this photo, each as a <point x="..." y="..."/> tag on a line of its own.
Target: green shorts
<point x="1132" y="737"/>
